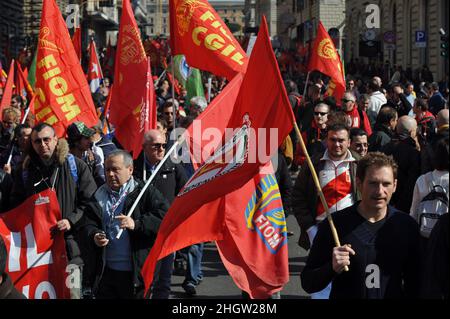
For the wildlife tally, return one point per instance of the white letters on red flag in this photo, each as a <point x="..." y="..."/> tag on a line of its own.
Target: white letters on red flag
<point x="95" y="74"/>
<point x="37" y="259"/>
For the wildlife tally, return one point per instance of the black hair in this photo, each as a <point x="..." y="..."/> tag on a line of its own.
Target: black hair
<point x="42" y="126"/>
<point x="440" y="155"/>
<point x="357" y="132"/>
<point x="385" y="115"/>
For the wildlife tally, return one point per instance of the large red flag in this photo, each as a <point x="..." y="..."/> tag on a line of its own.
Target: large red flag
<point x="254" y="244"/>
<point x="76" y="41"/>
<point x="95" y="74"/>
<point x="325" y="58"/>
<point x="197" y="31"/>
<point x="37" y="258"/>
<point x="261" y="114"/>
<point x="63" y="94"/>
<point x="130" y="113"/>
<point x="8" y="90"/>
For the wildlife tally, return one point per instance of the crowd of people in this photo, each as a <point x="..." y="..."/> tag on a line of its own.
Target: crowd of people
<point x="381" y="157"/>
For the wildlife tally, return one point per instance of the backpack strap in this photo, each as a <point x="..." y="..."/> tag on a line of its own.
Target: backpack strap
<point x="73" y="167"/>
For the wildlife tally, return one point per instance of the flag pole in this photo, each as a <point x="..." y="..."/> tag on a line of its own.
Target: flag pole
<point x="306" y="85"/>
<point x="171" y="150"/>
<point x="23" y="121"/>
<point x="173" y="95"/>
<point x="319" y="189"/>
<point x="209" y="89"/>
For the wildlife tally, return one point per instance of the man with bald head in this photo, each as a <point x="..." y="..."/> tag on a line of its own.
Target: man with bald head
<point x="168" y="180"/>
<point x="427" y="153"/>
<point x="405" y="150"/>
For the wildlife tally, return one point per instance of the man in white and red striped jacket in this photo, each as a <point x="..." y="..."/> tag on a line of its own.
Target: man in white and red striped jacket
<point x="336" y="170"/>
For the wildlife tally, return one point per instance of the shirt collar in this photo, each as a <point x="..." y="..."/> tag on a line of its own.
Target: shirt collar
<point x="349" y="157"/>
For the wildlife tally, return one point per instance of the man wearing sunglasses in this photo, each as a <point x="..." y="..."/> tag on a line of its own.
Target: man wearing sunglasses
<point x="315" y="136"/>
<point x="49" y="165"/>
<point x="168" y="180"/>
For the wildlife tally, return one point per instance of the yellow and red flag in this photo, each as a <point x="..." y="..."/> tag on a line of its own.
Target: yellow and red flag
<point x="8" y="90"/>
<point x="325" y="58"/>
<point x="63" y="94"/>
<point x="133" y="98"/>
<point x="212" y="204"/>
<point x="197" y="31"/>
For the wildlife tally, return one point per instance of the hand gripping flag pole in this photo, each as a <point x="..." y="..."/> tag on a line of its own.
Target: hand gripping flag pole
<point x="171" y="150"/>
<point x="319" y="189"/>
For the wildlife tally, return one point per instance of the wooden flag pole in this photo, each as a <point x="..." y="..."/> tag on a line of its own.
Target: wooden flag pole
<point x="319" y="189"/>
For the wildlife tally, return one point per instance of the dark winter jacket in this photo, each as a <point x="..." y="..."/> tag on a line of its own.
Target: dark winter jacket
<point x="169" y="180"/>
<point x="392" y="246"/>
<point x="147" y="216"/>
<point x="407" y="158"/>
<point x="34" y="177"/>
<point x="381" y="136"/>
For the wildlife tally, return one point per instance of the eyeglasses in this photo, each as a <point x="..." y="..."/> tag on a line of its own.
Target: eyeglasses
<point x="39" y="141"/>
<point x="320" y="113"/>
<point x="345" y="100"/>
<point x="157" y="146"/>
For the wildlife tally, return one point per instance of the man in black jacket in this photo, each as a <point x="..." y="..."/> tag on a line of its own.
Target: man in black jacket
<point x="380" y="243"/>
<point x="168" y="180"/>
<point x="49" y="165"/>
<point x="404" y="150"/>
<point x="120" y="260"/>
<point x="384" y="128"/>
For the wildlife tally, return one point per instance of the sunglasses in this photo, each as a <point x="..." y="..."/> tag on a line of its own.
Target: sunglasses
<point x="39" y="141"/>
<point x="157" y="146"/>
<point x="345" y="100"/>
<point x="320" y="113"/>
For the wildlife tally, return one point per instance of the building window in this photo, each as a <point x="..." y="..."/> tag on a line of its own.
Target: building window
<point x="151" y="30"/>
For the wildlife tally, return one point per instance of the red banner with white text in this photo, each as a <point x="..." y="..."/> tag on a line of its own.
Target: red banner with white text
<point x="37" y="261"/>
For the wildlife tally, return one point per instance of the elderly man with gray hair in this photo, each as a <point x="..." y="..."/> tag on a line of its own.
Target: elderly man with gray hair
<point x="120" y="260"/>
<point x="405" y="150"/>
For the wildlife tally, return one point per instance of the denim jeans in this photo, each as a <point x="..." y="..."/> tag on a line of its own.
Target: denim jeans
<point x="194" y="254"/>
<point x="163" y="276"/>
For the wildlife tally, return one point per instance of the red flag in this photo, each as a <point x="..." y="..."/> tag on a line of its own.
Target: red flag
<point x="260" y="105"/>
<point x="23" y="88"/>
<point x="95" y="74"/>
<point x="254" y="244"/>
<point x="325" y="58"/>
<point x="197" y="31"/>
<point x="63" y="92"/>
<point x="8" y="90"/>
<point x="130" y="113"/>
<point x="36" y="255"/>
<point x="76" y="41"/>
<point x="215" y="116"/>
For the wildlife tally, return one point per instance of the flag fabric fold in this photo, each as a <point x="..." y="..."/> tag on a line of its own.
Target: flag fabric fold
<point x="63" y="94"/>
<point x="197" y="31"/>
<point x="260" y="114"/>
